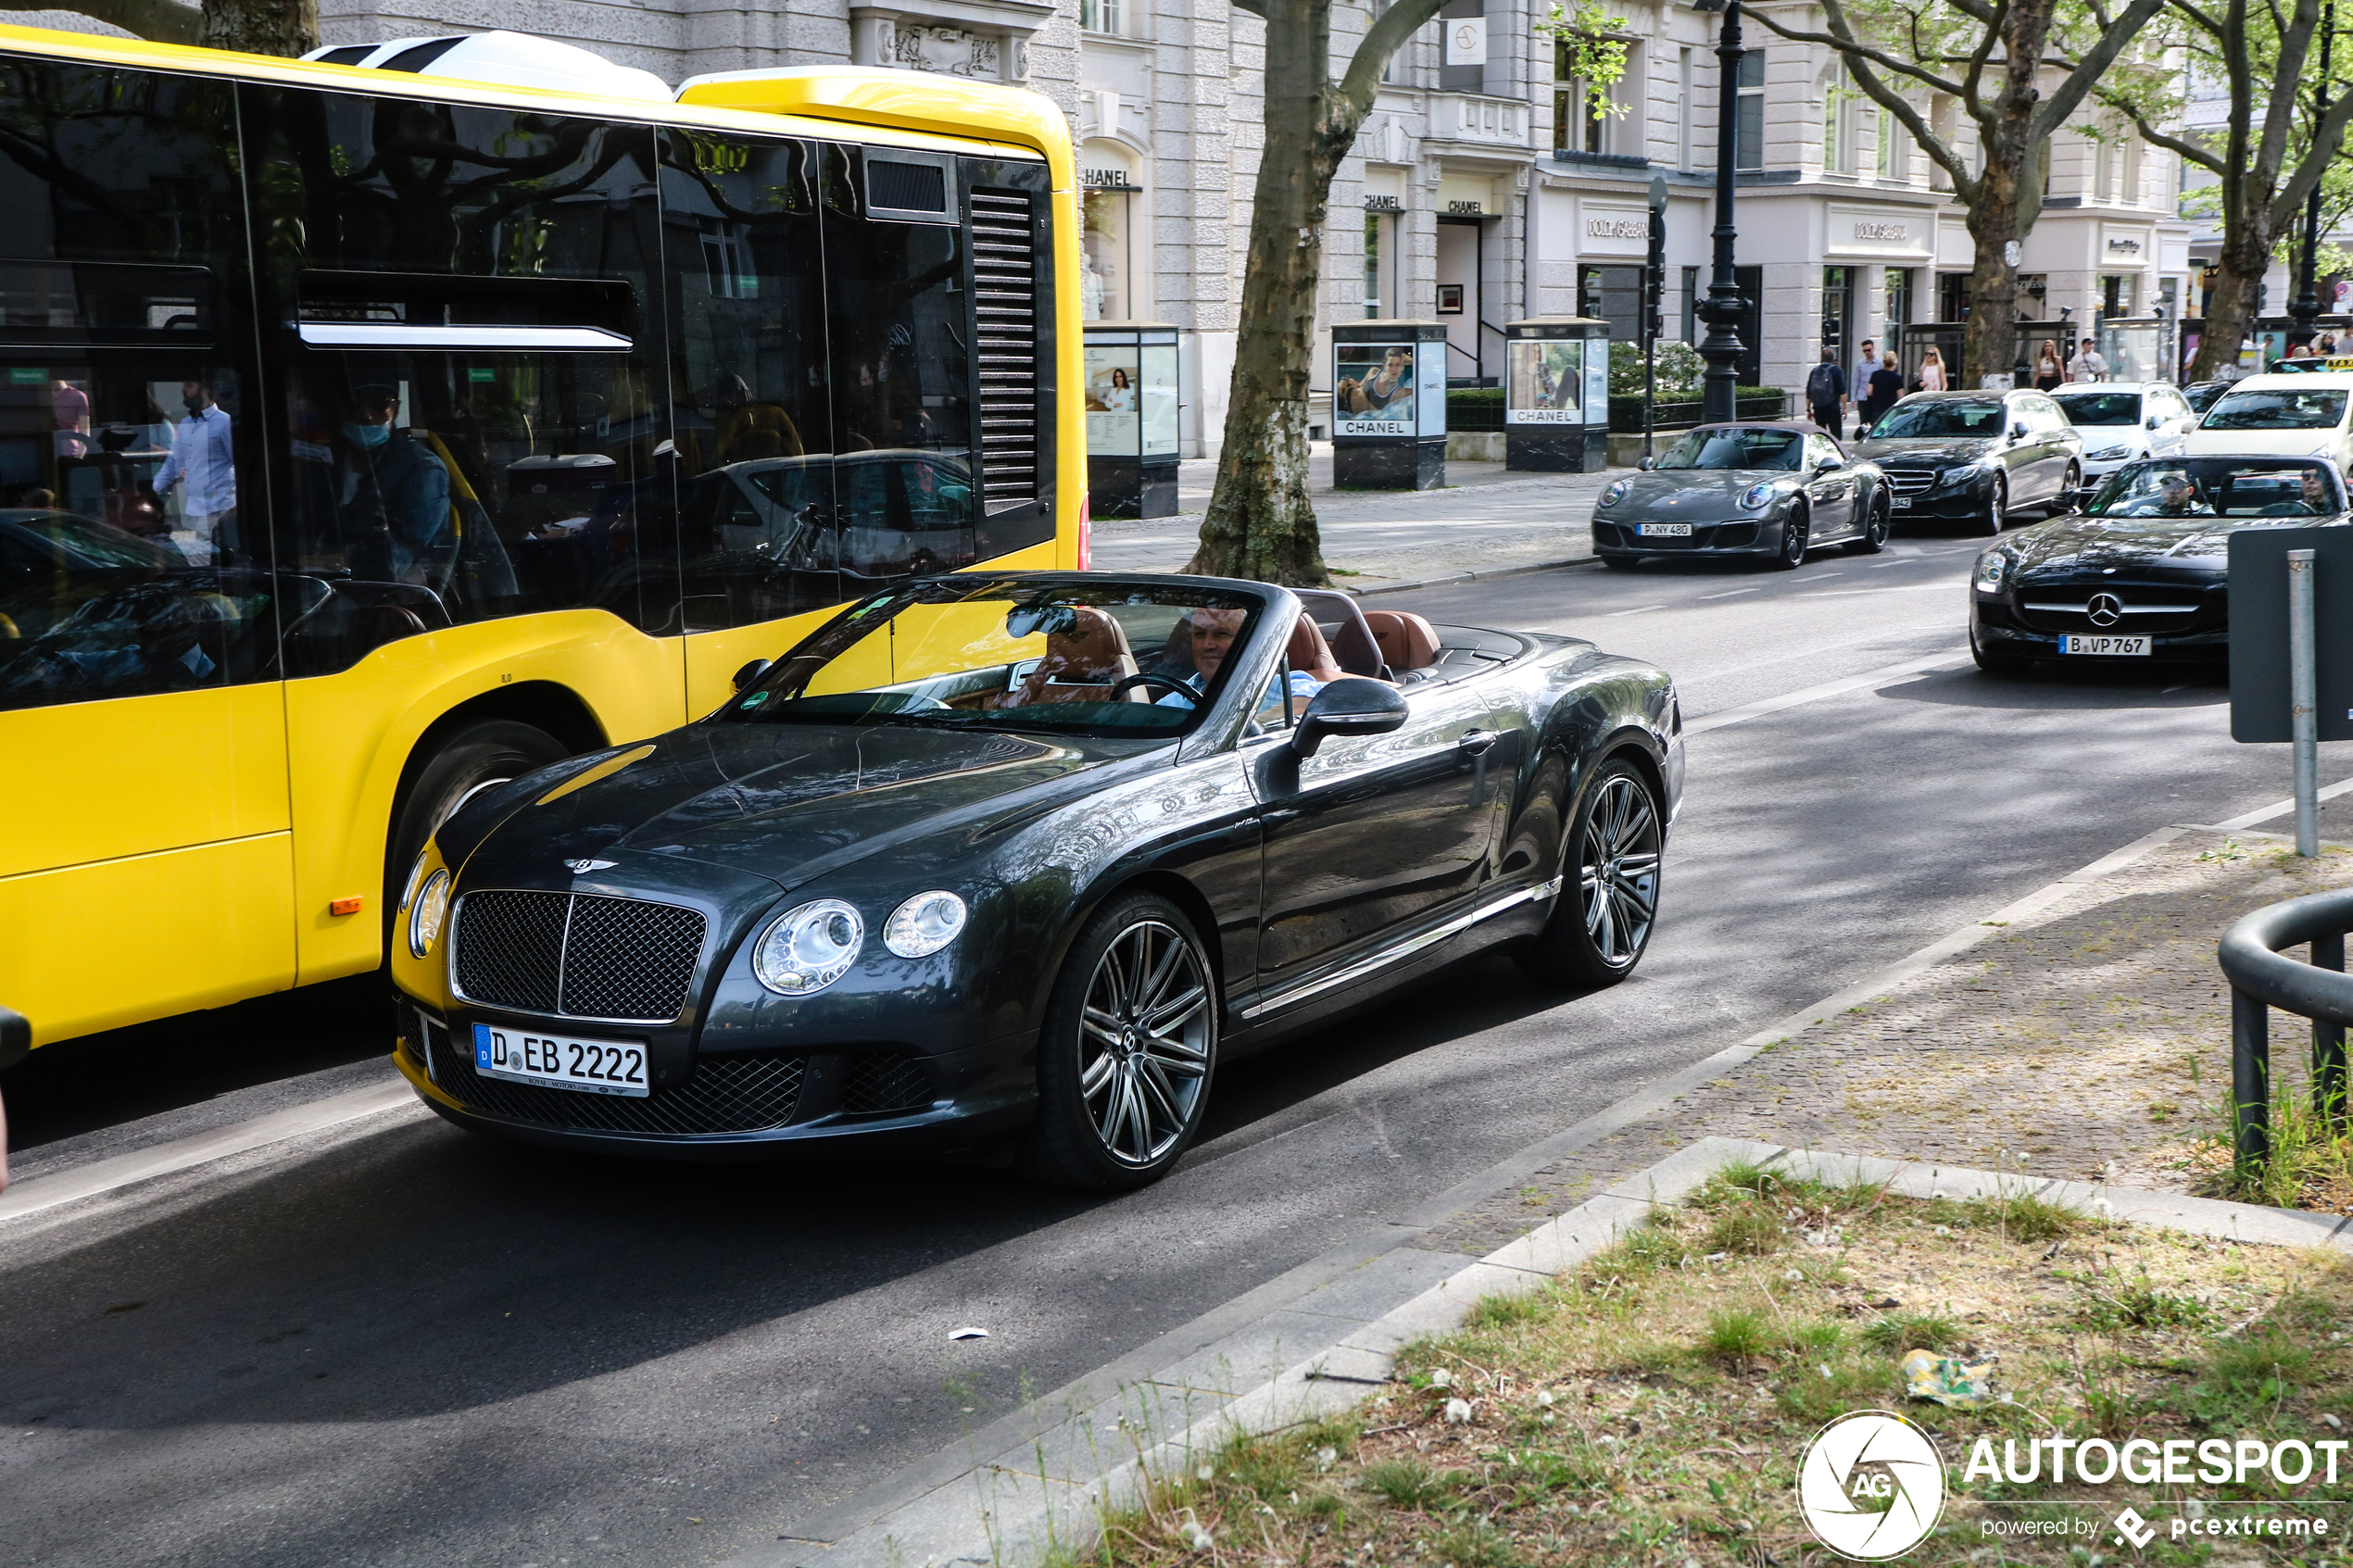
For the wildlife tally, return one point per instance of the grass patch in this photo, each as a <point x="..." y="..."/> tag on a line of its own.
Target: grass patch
<point x="1649" y="1411"/>
<point x="2312" y="1163"/>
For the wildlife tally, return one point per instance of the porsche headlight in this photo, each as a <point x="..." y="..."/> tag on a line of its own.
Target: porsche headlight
<point x="1614" y="492"/>
<point x="807" y="949"/>
<point x="1992" y="566"/>
<point x="427" y="910"/>
<point x="1760" y="495"/>
<point x="923" y="924"/>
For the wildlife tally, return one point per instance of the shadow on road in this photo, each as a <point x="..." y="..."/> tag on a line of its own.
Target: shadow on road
<point x="2045" y="688"/>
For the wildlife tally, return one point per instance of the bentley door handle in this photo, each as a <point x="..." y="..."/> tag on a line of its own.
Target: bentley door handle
<point x="1474" y="743"/>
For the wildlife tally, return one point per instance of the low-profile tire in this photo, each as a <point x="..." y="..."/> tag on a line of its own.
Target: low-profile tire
<point x="1795" y="538"/>
<point x="1128" y="1050"/>
<point x="478" y="753"/>
<point x="1996" y="515"/>
<point x="1875" y="529"/>
<point x="1994" y="662"/>
<point x="1608" y="902"/>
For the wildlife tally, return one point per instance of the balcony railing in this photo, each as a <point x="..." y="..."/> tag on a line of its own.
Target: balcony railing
<point x="1463" y="116"/>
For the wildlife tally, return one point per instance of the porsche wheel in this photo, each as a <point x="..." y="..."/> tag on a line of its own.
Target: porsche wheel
<point x="1874" y="537"/>
<point x="1130" y="1044"/>
<point x="1794" y="542"/>
<point x="1608" y="900"/>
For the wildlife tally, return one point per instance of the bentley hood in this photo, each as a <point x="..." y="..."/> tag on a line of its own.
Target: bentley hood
<point x="781" y="802"/>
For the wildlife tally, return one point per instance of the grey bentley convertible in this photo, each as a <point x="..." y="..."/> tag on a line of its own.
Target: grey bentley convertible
<point x="1769" y="490"/>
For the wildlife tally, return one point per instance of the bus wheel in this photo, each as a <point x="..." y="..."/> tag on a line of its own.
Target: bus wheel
<point x="487" y="753"/>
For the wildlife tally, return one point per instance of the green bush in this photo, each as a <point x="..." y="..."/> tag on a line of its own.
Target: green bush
<point x="1474" y="407"/>
<point x="1681" y="371"/>
<point x="1753" y="402"/>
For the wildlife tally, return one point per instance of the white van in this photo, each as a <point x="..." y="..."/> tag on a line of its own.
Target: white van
<point x="2281" y="416"/>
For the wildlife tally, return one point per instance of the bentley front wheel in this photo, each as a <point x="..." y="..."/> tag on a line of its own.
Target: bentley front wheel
<point x="1608" y="900"/>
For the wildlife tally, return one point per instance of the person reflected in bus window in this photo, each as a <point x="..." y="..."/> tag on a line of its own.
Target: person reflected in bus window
<point x="69" y="406"/>
<point x="750" y="429"/>
<point x="202" y="465"/>
<point x="393" y="495"/>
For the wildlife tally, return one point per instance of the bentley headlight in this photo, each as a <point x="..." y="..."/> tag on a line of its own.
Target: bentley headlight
<point x="416" y="875"/>
<point x="807" y="949"/>
<point x="923" y="924"/>
<point x="426" y="912"/>
<point x="1758" y="496"/>
<point x="1614" y="492"/>
<point x="1990" y="567"/>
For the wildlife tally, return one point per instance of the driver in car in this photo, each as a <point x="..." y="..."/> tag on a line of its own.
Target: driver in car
<point x="2176" y="496"/>
<point x="2313" y="499"/>
<point x="1213" y="631"/>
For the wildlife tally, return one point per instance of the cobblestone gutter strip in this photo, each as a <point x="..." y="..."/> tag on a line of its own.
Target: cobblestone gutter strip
<point x="1015" y="1510"/>
<point x="2084" y="1033"/>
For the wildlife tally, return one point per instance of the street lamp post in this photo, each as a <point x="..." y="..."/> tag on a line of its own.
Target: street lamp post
<point x="2306" y="304"/>
<point x="1654" y="288"/>
<point x="1724" y="307"/>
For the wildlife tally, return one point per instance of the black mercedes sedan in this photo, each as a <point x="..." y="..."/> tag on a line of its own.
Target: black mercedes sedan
<point x="1768" y="490"/>
<point x="1008" y="864"/>
<point x="1976" y="457"/>
<point x="2141" y="574"/>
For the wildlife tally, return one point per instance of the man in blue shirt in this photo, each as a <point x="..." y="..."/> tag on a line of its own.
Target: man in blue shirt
<point x="203" y="464"/>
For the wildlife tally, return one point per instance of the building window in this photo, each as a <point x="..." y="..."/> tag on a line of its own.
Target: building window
<point x="2118" y="291"/>
<point x="1899" y="297"/>
<point x="1105" y="246"/>
<point x="1378" y="264"/>
<point x="2103" y="171"/>
<point x="1836" y="128"/>
<point x="1749" y="125"/>
<point x="1894" y="147"/>
<point x="1683" y="112"/>
<point x="1101" y="16"/>
<point x="1838" y="311"/>
<point x="1941" y="115"/>
<point x="1952" y="296"/>
<point x="1581" y="112"/>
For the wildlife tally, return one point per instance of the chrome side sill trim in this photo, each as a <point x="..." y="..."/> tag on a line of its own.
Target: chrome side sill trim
<point x="1409" y="947"/>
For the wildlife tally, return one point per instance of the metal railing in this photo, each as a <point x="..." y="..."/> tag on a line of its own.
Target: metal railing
<point x="2262" y="979"/>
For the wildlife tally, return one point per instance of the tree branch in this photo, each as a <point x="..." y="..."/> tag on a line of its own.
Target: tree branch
<point x="1855" y="48"/>
<point x="2053" y="112"/>
<point x="161" y="21"/>
<point x="1385" y="37"/>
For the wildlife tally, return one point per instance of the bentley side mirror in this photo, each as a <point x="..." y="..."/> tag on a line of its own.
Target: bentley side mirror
<point x="1350" y="705"/>
<point x="750" y="672"/>
<point x="1647" y="464"/>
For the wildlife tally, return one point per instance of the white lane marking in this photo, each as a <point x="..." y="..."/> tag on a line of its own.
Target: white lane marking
<point x="1879" y="677"/>
<point x="1880" y="565"/>
<point x="1898" y="588"/>
<point x="1729" y="593"/>
<point x="1824" y="576"/>
<point x="180" y="1154"/>
<point x="1638" y="610"/>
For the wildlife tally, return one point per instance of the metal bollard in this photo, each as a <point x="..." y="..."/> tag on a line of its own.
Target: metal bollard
<point x="2250" y="1082"/>
<point x="2304" y="703"/>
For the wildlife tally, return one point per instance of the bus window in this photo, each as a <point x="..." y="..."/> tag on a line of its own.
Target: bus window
<point x="471" y="427"/>
<point x="748" y="397"/>
<point x="901" y="327"/>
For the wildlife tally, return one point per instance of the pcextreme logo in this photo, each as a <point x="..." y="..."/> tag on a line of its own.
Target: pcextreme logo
<point x="1870" y="1486"/>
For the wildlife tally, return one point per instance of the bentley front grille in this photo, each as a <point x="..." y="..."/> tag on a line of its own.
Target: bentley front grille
<point x="576" y="955"/>
<point x="873" y="1085"/>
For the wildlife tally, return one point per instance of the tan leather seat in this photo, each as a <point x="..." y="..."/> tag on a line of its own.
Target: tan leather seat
<point x="1080" y="665"/>
<point x="1310" y="655"/>
<point x="1407" y="642"/>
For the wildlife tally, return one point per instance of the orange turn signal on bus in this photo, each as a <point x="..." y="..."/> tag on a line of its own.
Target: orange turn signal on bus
<point x="346" y="905"/>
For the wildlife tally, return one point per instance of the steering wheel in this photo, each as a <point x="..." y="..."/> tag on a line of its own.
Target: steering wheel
<point x="1129" y="683"/>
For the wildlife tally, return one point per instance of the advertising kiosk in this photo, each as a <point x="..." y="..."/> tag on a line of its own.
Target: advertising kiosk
<point x="1131" y="418"/>
<point x="1389" y="405"/>
<point x="1556" y="394"/>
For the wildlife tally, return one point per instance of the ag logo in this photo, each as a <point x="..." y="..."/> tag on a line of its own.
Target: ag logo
<point x="1870" y="1486"/>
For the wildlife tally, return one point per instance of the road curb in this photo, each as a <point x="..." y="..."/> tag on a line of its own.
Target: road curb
<point x="996" y="1497"/>
<point x="1018" y="1510"/>
<point x="1451" y="578"/>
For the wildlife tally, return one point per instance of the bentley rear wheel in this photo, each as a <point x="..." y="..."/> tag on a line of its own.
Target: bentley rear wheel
<point x="1130" y="1044"/>
<point x="1608" y="900"/>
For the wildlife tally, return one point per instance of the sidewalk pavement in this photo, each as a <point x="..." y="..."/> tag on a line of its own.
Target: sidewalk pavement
<point x="1487" y="520"/>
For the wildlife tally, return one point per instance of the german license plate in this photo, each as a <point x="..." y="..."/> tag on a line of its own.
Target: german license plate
<point x="1901" y="503"/>
<point x="1663" y="529"/>
<point x="2110" y="647"/>
<point x="597" y="1067"/>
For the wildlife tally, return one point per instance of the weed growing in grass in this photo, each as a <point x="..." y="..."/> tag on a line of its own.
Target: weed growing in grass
<point x="2246" y="1375"/>
<point x="1476" y="1544"/>
<point x="2112" y="1303"/>
<point x="1745" y="1229"/>
<point x="1409" y="1484"/>
<point x="1911" y="1331"/>
<point x="1738" y="1334"/>
<point x="1501" y="1311"/>
<point x="2312" y="1163"/>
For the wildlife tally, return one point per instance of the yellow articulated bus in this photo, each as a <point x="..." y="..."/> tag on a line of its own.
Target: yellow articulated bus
<point x="368" y="436"/>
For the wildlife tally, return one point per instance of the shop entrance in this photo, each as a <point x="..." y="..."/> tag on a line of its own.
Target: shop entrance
<point x="1462" y="301"/>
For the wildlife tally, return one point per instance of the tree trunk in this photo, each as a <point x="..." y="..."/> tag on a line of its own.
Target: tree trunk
<point x="160" y="21"/>
<point x="2246" y="257"/>
<point x="1991" y="344"/>
<point x="1261" y="523"/>
<point x="262" y="27"/>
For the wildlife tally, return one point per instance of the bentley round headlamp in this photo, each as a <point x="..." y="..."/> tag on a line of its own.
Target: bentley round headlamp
<point x="923" y="924"/>
<point x="426" y="912"/>
<point x="416" y="875"/>
<point x="1614" y="492"/>
<point x="1990" y="569"/>
<point x="807" y="949"/>
<point x="1758" y="496"/>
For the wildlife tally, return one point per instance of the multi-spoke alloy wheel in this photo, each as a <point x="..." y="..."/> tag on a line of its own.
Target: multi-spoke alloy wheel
<point x="1129" y="1047"/>
<point x="1618" y="871"/>
<point x="1609" y="901"/>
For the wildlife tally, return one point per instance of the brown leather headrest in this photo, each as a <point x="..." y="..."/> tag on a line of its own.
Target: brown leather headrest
<point x="1310" y="654"/>
<point x="1407" y="642"/>
<point x="1095" y="646"/>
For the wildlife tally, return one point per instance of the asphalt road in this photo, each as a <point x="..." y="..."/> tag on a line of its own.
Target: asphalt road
<point x="399" y="1344"/>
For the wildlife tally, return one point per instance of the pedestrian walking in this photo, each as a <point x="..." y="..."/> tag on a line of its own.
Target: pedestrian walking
<point x="1825" y="390"/>
<point x="1886" y="386"/>
<point x="2049" y="369"/>
<point x="1931" y="371"/>
<point x="1867" y="364"/>
<point x="2089" y="366"/>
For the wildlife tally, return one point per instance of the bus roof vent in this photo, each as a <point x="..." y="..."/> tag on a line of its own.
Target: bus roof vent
<point x="509" y="59"/>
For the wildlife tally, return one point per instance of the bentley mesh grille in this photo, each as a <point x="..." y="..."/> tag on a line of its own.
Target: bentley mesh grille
<point x="576" y="955"/>
<point x="890" y="1082"/>
<point x="727" y="1094"/>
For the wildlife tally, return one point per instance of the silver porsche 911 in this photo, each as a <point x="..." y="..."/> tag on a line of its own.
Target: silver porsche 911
<point x="1767" y="489"/>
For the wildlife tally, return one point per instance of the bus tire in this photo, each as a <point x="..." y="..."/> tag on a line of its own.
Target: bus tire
<point x="485" y="752"/>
